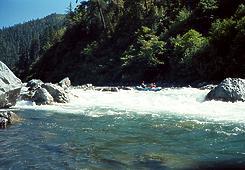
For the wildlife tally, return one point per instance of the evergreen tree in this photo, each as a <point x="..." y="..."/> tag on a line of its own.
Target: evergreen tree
<point x="34" y="49"/>
<point x="32" y="35"/>
<point x="69" y="15"/>
<point x="24" y="59"/>
<point x="127" y="40"/>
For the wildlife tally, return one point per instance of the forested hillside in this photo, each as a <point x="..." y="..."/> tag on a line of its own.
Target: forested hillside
<point x="22" y="44"/>
<point x="127" y="41"/>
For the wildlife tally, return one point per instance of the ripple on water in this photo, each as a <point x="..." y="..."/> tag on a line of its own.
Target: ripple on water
<point x="172" y="129"/>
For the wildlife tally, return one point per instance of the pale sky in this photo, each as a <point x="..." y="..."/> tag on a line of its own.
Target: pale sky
<point x="19" y="11"/>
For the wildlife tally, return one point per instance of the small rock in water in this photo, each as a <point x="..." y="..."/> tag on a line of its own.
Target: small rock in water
<point x="87" y="87"/>
<point x="3" y="122"/>
<point x="208" y="87"/>
<point x="65" y="83"/>
<point x="7" y="118"/>
<point x="125" y="88"/>
<point x="110" y="89"/>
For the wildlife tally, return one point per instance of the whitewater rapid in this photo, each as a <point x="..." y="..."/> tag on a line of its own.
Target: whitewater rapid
<point x="188" y="102"/>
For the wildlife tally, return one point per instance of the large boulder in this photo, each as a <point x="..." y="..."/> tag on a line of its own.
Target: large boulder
<point x="34" y="84"/>
<point x="65" y="83"/>
<point x="230" y="89"/>
<point x="10" y="87"/>
<point x="57" y="92"/>
<point x="42" y="97"/>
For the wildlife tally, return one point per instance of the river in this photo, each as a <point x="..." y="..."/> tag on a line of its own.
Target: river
<point x="170" y="129"/>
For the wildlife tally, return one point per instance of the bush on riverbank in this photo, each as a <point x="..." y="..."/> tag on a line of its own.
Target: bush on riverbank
<point x="127" y="41"/>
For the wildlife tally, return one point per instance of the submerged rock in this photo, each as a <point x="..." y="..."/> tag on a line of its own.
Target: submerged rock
<point x="230" y="89"/>
<point x="10" y="87"/>
<point x="65" y="83"/>
<point x="58" y="93"/>
<point x="107" y="89"/>
<point x="42" y="97"/>
<point x="8" y="117"/>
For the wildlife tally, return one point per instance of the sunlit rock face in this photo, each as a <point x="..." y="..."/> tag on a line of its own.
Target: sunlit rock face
<point x="10" y="87"/>
<point x="57" y="92"/>
<point x="229" y="90"/>
<point x="42" y="97"/>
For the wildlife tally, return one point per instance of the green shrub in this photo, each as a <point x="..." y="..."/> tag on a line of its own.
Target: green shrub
<point x="222" y="28"/>
<point x="240" y="12"/>
<point x="145" y="54"/>
<point x="183" y="15"/>
<point x="208" y="5"/>
<point x="186" y="46"/>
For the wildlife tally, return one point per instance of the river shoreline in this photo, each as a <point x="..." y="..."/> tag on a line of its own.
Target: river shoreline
<point x="163" y="84"/>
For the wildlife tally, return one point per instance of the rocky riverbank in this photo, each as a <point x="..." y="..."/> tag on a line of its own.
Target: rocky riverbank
<point x="12" y="89"/>
<point x="46" y="93"/>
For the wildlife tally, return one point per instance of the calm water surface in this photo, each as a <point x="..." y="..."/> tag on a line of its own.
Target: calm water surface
<point x="172" y="129"/>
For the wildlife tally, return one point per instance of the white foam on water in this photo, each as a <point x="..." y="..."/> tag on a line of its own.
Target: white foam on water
<point x="182" y="101"/>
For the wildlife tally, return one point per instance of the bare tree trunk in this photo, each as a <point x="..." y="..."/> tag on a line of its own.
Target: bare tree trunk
<point x="101" y="15"/>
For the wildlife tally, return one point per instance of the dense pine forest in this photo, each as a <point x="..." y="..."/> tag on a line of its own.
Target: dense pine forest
<point x="125" y="41"/>
<point x="21" y="45"/>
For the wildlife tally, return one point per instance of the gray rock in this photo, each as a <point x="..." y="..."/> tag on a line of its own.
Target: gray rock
<point x="10" y="87"/>
<point x="42" y="97"/>
<point x="8" y="117"/>
<point x="230" y="89"/>
<point x="27" y="95"/>
<point x="125" y="88"/>
<point x="65" y="83"/>
<point x="34" y="84"/>
<point x="87" y="87"/>
<point x="208" y="87"/>
<point x="111" y="89"/>
<point x="202" y="84"/>
<point x="58" y="93"/>
<point x="3" y="122"/>
<point x="107" y="89"/>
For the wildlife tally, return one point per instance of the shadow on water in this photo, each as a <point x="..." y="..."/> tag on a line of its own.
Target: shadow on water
<point x="150" y="164"/>
<point x="221" y="165"/>
<point x="112" y="164"/>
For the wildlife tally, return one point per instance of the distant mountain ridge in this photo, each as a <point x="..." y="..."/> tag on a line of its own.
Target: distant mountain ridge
<point x="20" y="37"/>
